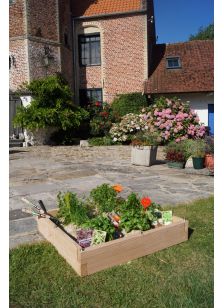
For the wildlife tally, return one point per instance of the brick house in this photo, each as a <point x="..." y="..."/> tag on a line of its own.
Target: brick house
<point x="104" y="48"/>
<point x="185" y="70"/>
<point x="101" y="47"/>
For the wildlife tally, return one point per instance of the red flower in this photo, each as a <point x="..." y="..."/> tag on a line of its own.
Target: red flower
<point x="97" y="104"/>
<point x="146" y="202"/>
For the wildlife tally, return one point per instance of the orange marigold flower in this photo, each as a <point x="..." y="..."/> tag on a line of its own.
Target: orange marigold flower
<point x="118" y="188"/>
<point x="146" y="202"/>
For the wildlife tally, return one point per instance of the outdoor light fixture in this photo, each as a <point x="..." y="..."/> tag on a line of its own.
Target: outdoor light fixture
<point x="47" y="57"/>
<point x="12" y="61"/>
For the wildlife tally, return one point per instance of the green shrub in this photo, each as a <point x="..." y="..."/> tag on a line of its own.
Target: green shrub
<point x="100" y="141"/>
<point x="128" y="103"/>
<point x="51" y="106"/>
<point x="101" y="119"/>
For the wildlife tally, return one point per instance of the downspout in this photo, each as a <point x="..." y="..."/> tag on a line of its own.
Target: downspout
<point x="27" y="39"/>
<point x="73" y="53"/>
<point x="58" y="30"/>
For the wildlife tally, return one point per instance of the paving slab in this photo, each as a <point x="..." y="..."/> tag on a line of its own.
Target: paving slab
<point x="41" y="172"/>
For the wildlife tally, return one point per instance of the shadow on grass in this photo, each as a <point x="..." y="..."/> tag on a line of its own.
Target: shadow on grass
<point x="190" y="232"/>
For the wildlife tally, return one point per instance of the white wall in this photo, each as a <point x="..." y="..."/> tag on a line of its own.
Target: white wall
<point x="199" y="102"/>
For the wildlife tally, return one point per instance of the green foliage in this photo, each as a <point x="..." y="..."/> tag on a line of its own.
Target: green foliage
<point x="103" y="223"/>
<point x="181" y="150"/>
<point x="134" y="220"/>
<point x="51" y="106"/>
<point x="204" y="33"/>
<point x="128" y="103"/>
<point x="133" y="216"/>
<point x="71" y="209"/>
<point x="99" y="141"/>
<point x="198" y="147"/>
<point x="104" y="197"/>
<point x="101" y="118"/>
<point x="146" y="138"/>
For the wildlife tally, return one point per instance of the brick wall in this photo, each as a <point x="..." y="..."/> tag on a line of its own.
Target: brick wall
<point x="19" y="72"/>
<point x="35" y="25"/>
<point x="66" y="49"/>
<point x="17" y="18"/>
<point x="37" y="66"/>
<point x="123" y="56"/>
<point x="43" y="19"/>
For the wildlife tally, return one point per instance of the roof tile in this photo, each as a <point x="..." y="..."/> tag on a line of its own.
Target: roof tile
<point x="98" y="7"/>
<point x="195" y="75"/>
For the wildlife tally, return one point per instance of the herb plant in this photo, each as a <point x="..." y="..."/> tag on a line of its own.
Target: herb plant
<point x="71" y="209"/>
<point x="104" y="197"/>
<point x="103" y="223"/>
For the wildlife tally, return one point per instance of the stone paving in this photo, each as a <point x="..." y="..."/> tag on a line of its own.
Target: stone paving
<point x="41" y="172"/>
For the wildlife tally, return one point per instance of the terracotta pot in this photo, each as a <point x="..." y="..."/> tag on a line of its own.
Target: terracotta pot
<point x="209" y="161"/>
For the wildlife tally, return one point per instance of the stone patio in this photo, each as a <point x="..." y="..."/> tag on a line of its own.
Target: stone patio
<point x="41" y="172"/>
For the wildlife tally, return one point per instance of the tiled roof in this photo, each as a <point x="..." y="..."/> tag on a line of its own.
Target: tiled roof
<point x="195" y="75"/>
<point x="99" y="7"/>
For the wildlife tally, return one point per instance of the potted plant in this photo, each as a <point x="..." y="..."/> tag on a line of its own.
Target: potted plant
<point x="198" y="153"/>
<point x="175" y="154"/>
<point x="209" y="153"/>
<point x="144" y="148"/>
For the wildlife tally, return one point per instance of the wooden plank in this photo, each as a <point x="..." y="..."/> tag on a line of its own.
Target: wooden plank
<point x="105" y="255"/>
<point x="66" y="247"/>
<point x="120" y="252"/>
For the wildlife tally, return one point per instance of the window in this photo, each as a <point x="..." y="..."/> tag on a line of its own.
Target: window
<point x="89" y="49"/>
<point x="173" y="62"/>
<point x="90" y="95"/>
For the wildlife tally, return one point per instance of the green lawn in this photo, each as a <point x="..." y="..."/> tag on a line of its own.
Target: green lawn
<point x="180" y="276"/>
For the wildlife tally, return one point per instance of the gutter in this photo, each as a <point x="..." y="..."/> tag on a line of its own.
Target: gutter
<point x="142" y="11"/>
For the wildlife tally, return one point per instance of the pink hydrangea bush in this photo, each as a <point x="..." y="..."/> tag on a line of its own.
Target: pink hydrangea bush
<point x="170" y="118"/>
<point x="174" y="120"/>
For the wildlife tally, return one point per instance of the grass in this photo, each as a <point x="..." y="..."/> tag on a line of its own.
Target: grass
<point x="180" y="276"/>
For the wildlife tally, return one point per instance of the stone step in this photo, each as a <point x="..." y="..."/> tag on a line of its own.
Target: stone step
<point x="15" y="143"/>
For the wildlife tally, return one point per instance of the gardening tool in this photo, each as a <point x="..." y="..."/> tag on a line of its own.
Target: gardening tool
<point x="41" y="211"/>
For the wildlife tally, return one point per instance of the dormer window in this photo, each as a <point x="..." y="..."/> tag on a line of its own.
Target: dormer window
<point x="173" y="62"/>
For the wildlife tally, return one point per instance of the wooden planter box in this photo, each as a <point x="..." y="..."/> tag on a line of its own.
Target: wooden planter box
<point x="96" y="258"/>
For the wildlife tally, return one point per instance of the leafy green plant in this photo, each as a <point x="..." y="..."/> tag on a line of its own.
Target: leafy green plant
<point x="72" y="209"/>
<point x="128" y="103"/>
<point x="133" y="216"/>
<point x="198" y="148"/>
<point x="178" y="151"/>
<point x="146" y="139"/>
<point x="51" y="106"/>
<point x="134" y="220"/>
<point x="103" y="223"/>
<point x="98" y="141"/>
<point x="104" y="197"/>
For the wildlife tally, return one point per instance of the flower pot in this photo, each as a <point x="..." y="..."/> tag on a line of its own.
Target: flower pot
<point x="143" y="155"/>
<point x="42" y="136"/>
<point x="209" y="161"/>
<point x="198" y="162"/>
<point x="175" y="164"/>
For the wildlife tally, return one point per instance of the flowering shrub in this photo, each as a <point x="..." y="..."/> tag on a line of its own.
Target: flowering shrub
<point x="174" y="120"/>
<point x="101" y="118"/>
<point x="171" y="119"/>
<point x="130" y="124"/>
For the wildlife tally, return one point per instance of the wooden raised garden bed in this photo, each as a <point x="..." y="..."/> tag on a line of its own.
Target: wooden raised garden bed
<point x="96" y="258"/>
